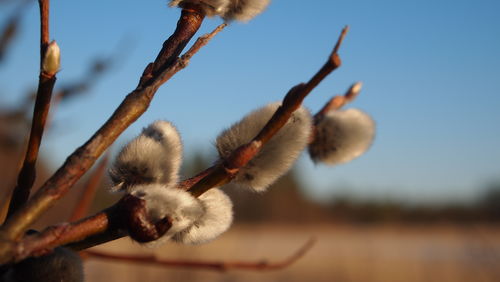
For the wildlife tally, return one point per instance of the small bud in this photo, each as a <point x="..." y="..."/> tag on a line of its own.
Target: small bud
<point x="161" y="201"/>
<point x="60" y="265"/>
<point x="153" y="157"/>
<point x="341" y="136"/>
<point x="52" y="59"/>
<point x="355" y="88"/>
<point x="240" y="10"/>
<point x="277" y="156"/>
<point x="216" y="218"/>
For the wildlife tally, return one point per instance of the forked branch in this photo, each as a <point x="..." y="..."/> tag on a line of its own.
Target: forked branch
<point x="108" y="225"/>
<point x="223" y="172"/>
<point x="82" y="159"/>
<point x="46" y="82"/>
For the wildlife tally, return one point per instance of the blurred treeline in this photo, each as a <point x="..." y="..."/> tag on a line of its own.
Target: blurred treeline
<point x="286" y="202"/>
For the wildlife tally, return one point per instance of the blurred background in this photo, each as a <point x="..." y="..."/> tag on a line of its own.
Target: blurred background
<point x="422" y="205"/>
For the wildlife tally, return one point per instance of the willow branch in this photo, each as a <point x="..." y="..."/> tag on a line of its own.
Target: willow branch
<point x="339" y="101"/>
<point x="106" y="225"/>
<point x="82" y="159"/>
<point x="213" y="265"/>
<point x="46" y="82"/>
<point x="223" y="172"/>
<point x="10" y="30"/>
<point x="44" y="27"/>
<point x="89" y="190"/>
<point x="108" y="222"/>
<point x="134" y="105"/>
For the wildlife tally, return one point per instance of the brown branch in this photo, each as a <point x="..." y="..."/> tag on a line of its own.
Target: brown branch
<point x="82" y="159"/>
<point x="136" y="219"/>
<point x="44" y="28"/>
<point x="108" y="222"/>
<point x="223" y="172"/>
<point x="9" y="33"/>
<point x="89" y="190"/>
<point x="11" y="28"/>
<point x="339" y="101"/>
<point x="93" y="235"/>
<point x="46" y="82"/>
<point x="213" y="265"/>
<point x="189" y="22"/>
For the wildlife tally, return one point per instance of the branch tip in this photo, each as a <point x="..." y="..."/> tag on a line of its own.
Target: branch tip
<point x="343" y="33"/>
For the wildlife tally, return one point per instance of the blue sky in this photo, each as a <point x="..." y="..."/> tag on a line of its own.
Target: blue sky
<point x="430" y="71"/>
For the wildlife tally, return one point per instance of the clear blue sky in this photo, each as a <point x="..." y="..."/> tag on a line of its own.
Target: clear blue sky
<point x="431" y="72"/>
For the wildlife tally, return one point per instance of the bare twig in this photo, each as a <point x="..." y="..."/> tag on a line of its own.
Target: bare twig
<point x="44" y="27"/>
<point x="108" y="222"/>
<point x="339" y="101"/>
<point x="82" y="159"/>
<point x="188" y="24"/>
<point x="27" y="175"/>
<point x="89" y="190"/>
<point x="105" y="226"/>
<point x="213" y="265"/>
<point x="9" y="32"/>
<point x="223" y="172"/>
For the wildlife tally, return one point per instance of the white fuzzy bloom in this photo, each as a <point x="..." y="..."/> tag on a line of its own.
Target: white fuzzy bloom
<point x="153" y="157"/>
<point x="161" y="201"/>
<point x="240" y="10"/>
<point x="277" y="156"/>
<point x="341" y="136"/>
<point x="216" y="219"/>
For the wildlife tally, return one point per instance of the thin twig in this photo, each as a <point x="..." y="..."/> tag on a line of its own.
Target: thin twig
<point x="44" y="27"/>
<point x="108" y="222"/>
<point x="213" y="265"/>
<point x="189" y="22"/>
<point x="223" y="172"/>
<point x="46" y="82"/>
<point x="100" y="228"/>
<point x="82" y="159"/>
<point x="89" y="190"/>
<point x="9" y="32"/>
<point x="339" y="101"/>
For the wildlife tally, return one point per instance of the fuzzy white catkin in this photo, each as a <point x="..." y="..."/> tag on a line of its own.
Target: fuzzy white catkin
<point x="341" y="136"/>
<point x="277" y="156"/>
<point x="153" y="157"/>
<point x="216" y="219"/>
<point x="161" y="201"/>
<point x="240" y="10"/>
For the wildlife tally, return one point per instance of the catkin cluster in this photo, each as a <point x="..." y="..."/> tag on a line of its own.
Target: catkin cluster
<point x="148" y="168"/>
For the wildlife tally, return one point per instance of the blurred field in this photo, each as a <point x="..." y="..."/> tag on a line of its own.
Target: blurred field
<point x="342" y="253"/>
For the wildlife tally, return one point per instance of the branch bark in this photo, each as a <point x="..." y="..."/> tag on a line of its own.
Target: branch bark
<point x="82" y="159"/>
<point x="339" y="101"/>
<point x="46" y="82"/>
<point x="106" y="225"/>
<point x="225" y="170"/>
